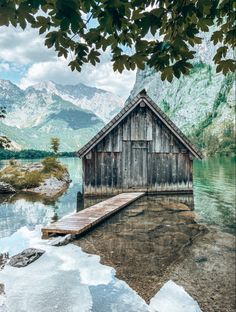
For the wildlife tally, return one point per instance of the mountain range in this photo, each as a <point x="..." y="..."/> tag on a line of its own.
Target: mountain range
<point x="201" y="104"/>
<point x="74" y="113"/>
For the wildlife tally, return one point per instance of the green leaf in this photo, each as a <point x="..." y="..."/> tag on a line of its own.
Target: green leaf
<point x="93" y="57"/>
<point x="217" y="36"/>
<point x="167" y="74"/>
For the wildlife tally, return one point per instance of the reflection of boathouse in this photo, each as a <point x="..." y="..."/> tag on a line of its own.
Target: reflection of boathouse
<point x="140" y="149"/>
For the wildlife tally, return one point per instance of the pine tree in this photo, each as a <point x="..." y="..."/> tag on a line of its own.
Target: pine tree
<point x="55" y="145"/>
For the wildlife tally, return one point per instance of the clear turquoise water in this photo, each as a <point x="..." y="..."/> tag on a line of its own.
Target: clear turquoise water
<point x="214" y="198"/>
<point x="215" y="193"/>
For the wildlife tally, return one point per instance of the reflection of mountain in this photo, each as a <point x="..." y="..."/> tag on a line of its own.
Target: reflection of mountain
<point x="144" y="239"/>
<point x="72" y="113"/>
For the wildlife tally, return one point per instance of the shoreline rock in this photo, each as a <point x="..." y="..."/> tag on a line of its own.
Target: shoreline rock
<point x="6" y="188"/>
<point x="25" y="257"/>
<point x="61" y="240"/>
<point x="51" y="187"/>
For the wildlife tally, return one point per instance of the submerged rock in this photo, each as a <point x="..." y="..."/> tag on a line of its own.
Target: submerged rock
<point x="173" y="298"/>
<point x="177" y="206"/>
<point x="62" y="240"/>
<point x="6" y="188"/>
<point x="201" y="259"/>
<point x="26" y="257"/>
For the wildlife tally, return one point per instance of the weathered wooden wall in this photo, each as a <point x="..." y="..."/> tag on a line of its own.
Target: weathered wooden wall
<point x="141" y="154"/>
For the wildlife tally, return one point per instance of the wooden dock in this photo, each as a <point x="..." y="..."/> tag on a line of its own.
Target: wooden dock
<point x="80" y="222"/>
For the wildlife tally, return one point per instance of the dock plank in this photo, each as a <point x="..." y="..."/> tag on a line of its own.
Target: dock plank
<point x="78" y="223"/>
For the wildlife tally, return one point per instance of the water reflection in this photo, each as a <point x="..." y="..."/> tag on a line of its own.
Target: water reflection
<point x="20" y="210"/>
<point x="214" y="198"/>
<point x="144" y="239"/>
<point x="215" y="193"/>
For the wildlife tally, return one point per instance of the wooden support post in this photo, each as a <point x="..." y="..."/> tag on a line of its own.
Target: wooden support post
<point x="80" y="202"/>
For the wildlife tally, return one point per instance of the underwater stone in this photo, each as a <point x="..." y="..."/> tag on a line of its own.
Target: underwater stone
<point x="26" y="257"/>
<point x="62" y="240"/>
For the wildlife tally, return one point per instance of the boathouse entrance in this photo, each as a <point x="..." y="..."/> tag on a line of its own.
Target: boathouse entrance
<point x="135" y="164"/>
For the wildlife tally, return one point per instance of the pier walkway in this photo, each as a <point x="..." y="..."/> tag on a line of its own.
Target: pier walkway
<point x="86" y="219"/>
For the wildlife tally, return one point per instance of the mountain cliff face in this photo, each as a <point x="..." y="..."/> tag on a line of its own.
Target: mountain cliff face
<point x="201" y="104"/>
<point x="49" y="110"/>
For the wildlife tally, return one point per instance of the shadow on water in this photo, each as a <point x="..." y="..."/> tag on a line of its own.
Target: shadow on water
<point x="142" y="240"/>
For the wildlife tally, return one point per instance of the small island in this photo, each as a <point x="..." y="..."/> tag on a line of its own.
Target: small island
<point x="48" y="178"/>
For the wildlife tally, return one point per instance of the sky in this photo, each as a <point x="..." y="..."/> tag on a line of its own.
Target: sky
<point x="24" y="60"/>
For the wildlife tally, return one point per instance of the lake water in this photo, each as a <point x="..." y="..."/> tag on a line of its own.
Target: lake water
<point x="140" y="242"/>
<point x="214" y="198"/>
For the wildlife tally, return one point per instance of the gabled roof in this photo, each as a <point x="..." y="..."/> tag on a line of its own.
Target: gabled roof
<point x="142" y="96"/>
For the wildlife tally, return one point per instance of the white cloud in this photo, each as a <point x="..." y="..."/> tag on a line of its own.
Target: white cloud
<point x="100" y="76"/>
<point x="23" y="47"/>
<point x="27" y="48"/>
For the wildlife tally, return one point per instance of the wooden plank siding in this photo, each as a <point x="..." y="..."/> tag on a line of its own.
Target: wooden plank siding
<point x="140" y="154"/>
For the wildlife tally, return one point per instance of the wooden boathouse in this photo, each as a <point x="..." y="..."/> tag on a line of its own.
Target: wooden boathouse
<point x="141" y="150"/>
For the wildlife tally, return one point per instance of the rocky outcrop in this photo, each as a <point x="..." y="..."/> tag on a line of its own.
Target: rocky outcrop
<point x="6" y="188"/>
<point x="26" y="257"/>
<point x="51" y="187"/>
<point x="34" y="178"/>
<point x="32" y="167"/>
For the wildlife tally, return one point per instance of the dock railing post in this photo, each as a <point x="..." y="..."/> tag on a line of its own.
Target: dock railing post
<point x="80" y="202"/>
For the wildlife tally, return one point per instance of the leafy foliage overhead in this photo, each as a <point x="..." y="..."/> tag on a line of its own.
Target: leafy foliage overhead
<point x="161" y="33"/>
<point x="2" y="112"/>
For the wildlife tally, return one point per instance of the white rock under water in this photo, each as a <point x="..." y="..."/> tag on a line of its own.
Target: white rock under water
<point x="173" y="298"/>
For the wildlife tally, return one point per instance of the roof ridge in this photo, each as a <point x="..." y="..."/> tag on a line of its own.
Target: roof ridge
<point x="116" y="119"/>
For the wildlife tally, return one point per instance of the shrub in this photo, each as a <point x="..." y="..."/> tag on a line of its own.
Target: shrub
<point x="13" y="162"/>
<point x="52" y="164"/>
<point x="30" y="180"/>
<point x="19" y="181"/>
